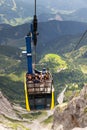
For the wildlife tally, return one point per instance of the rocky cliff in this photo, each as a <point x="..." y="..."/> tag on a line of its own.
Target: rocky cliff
<point x="72" y="115"/>
<point x="6" y="107"/>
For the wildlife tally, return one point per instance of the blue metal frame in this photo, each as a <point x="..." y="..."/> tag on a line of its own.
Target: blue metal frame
<point x="29" y="54"/>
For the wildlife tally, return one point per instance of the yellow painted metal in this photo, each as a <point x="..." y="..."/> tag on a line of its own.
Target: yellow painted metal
<point x="52" y="99"/>
<point x="26" y="95"/>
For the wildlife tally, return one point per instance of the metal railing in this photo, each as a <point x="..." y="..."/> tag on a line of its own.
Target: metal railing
<point x="42" y="87"/>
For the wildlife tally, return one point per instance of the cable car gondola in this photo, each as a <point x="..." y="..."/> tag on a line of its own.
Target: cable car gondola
<point x="39" y="90"/>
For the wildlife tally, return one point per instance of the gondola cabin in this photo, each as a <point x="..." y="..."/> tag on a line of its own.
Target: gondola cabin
<point x="39" y="91"/>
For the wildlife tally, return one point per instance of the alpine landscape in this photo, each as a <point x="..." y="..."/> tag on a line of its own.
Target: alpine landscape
<point x="61" y="48"/>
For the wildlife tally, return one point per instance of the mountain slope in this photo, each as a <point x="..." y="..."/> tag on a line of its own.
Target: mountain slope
<point x="16" y="12"/>
<point x="78" y="15"/>
<point x="51" y="31"/>
<point x="12" y="68"/>
<point x="4" y="105"/>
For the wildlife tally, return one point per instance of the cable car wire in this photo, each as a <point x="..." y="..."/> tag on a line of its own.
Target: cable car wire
<point x="80" y="40"/>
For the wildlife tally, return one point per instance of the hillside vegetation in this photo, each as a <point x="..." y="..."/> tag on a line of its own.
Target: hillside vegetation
<point x="54" y="62"/>
<point x="11" y="73"/>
